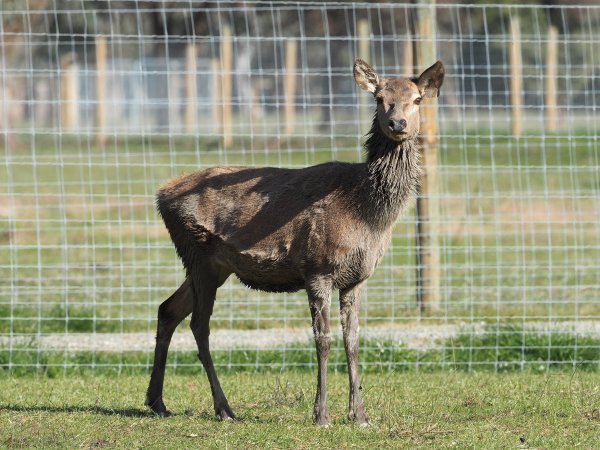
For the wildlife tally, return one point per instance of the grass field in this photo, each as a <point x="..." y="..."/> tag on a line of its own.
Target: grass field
<point x="441" y="410"/>
<point x="82" y="248"/>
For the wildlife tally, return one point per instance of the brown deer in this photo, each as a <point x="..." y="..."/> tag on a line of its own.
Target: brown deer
<point x="318" y="228"/>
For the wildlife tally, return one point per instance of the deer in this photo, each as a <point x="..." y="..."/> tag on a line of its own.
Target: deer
<point x="317" y="228"/>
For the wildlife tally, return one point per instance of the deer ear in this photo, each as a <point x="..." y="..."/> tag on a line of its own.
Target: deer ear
<point x="430" y="81"/>
<point x="364" y="75"/>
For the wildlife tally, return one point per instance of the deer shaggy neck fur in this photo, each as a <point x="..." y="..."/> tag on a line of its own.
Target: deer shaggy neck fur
<point x="393" y="174"/>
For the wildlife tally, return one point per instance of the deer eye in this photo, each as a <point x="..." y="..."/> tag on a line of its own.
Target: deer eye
<point x="418" y="100"/>
<point x="391" y="106"/>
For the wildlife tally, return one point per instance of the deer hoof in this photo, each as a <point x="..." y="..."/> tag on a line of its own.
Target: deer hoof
<point x="359" y="417"/>
<point x="225" y="417"/>
<point x="321" y="420"/>
<point x="225" y="413"/>
<point x="158" y="407"/>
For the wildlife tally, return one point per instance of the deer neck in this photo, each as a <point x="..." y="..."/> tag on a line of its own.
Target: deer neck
<point x="393" y="173"/>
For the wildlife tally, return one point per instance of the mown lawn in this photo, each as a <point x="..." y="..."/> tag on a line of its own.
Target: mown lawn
<point x="412" y="410"/>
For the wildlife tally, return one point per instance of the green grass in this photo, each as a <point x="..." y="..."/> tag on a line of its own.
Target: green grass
<point x="518" y="232"/>
<point x="413" y="410"/>
<point x="497" y="349"/>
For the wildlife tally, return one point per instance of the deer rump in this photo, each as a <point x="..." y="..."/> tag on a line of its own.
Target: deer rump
<point x="272" y="227"/>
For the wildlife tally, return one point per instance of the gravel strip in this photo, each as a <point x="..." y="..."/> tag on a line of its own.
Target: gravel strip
<point x="411" y="336"/>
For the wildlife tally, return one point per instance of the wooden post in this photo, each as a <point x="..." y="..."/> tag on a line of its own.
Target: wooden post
<point x="7" y="138"/>
<point x="289" y="84"/>
<point x="100" y="90"/>
<point x="68" y="92"/>
<point x="174" y="84"/>
<point x="226" y="69"/>
<point x="408" y="60"/>
<point x="516" y="77"/>
<point x="217" y="111"/>
<point x="551" y="82"/>
<point x="190" y="88"/>
<point x="427" y="208"/>
<point x="365" y="102"/>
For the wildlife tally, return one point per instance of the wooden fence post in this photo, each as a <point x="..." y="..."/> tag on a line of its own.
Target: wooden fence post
<point x="226" y="68"/>
<point x="289" y="85"/>
<point x="427" y="208"/>
<point x="190" y="88"/>
<point x="516" y="77"/>
<point x="68" y="92"/>
<point x="551" y="82"/>
<point x="100" y="90"/>
<point x="365" y="102"/>
<point x="408" y="60"/>
<point x="217" y="110"/>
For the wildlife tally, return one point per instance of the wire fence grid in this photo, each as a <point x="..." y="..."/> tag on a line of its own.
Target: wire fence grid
<point x="101" y="102"/>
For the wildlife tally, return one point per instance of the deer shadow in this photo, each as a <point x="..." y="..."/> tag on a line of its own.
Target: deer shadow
<point x="95" y="409"/>
<point x="123" y="412"/>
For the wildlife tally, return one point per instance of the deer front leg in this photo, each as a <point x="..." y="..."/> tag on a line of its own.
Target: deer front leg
<point x="319" y="299"/>
<point x="349" y="310"/>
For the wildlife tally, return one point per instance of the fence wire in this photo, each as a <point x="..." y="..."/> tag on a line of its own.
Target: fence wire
<point x="86" y="139"/>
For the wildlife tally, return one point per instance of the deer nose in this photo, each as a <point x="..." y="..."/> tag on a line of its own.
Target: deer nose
<point x="398" y="125"/>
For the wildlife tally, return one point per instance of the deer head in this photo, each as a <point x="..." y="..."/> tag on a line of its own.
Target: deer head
<point x="398" y="99"/>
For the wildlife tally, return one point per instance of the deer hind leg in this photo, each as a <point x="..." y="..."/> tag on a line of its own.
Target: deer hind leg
<point x="170" y="314"/>
<point x="319" y="299"/>
<point x="349" y="310"/>
<point x="205" y="289"/>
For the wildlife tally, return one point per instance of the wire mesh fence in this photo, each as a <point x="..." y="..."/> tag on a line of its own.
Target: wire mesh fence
<point x="102" y="102"/>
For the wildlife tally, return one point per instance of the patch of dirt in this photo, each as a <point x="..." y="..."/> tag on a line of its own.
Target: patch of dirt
<point x="7" y="208"/>
<point x="516" y="215"/>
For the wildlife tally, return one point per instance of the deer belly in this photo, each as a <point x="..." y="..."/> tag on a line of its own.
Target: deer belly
<point x="270" y="274"/>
